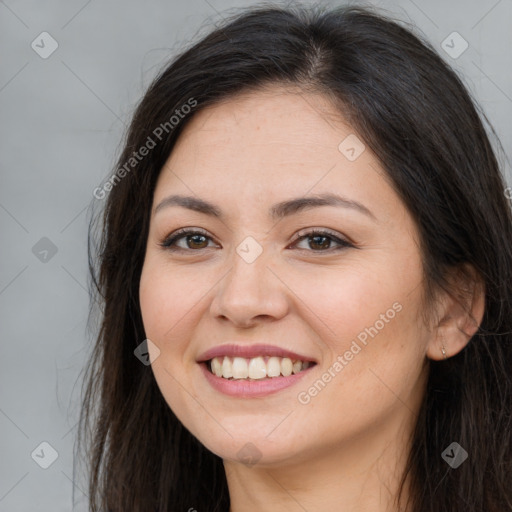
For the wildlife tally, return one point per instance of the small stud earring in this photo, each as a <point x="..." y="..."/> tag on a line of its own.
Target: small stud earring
<point x="443" y="351"/>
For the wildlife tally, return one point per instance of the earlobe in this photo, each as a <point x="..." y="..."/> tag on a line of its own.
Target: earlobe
<point x="462" y="311"/>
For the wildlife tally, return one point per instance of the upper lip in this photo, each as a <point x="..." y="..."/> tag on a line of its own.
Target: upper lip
<point x="250" y="351"/>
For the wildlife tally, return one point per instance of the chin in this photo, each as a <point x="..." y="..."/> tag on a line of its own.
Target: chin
<point x="252" y="439"/>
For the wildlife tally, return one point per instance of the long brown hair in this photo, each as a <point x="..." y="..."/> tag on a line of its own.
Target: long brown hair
<point x="418" y="118"/>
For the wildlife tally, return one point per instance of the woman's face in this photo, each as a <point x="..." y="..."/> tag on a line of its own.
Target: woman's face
<point x="257" y="288"/>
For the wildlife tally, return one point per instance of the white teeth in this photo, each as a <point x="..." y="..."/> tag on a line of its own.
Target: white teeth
<point x="286" y="367"/>
<point x="227" y="368"/>
<point x="240" y="368"/>
<point x="256" y="367"/>
<point x="274" y="367"/>
<point x="217" y="367"/>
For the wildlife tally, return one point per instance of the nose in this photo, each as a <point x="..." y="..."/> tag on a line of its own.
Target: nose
<point x="250" y="293"/>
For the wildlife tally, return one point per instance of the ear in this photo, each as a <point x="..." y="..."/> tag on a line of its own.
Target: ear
<point x="460" y="312"/>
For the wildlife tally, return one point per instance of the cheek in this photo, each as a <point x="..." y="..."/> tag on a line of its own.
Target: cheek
<point x="162" y="308"/>
<point x="155" y="303"/>
<point x="167" y="297"/>
<point x="368" y="321"/>
<point x="168" y="318"/>
<point x="172" y="302"/>
<point x="343" y="304"/>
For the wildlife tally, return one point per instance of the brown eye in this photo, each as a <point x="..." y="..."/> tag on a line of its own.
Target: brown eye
<point x="321" y="241"/>
<point x="194" y="240"/>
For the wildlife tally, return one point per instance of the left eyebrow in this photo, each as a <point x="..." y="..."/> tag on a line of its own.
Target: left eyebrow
<point x="291" y="206"/>
<point x="277" y="211"/>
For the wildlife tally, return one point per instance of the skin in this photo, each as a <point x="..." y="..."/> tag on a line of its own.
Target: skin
<point x="348" y="443"/>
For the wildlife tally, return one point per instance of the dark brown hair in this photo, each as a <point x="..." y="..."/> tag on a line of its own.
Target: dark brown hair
<point x="416" y="115"/>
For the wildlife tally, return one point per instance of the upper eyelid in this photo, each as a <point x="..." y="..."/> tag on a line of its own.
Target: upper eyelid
<point x="310" y="231"/>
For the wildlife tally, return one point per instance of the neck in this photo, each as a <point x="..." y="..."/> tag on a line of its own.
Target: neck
<point x="360" y="474"/>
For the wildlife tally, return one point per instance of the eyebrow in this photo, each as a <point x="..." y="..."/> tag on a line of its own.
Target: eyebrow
<point x="277" y="211"/>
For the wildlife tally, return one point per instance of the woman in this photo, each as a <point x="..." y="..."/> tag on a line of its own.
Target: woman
<point x="307" y="237"/>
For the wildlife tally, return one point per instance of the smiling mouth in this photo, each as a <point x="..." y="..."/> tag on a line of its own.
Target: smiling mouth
<point x="256" y="368"/>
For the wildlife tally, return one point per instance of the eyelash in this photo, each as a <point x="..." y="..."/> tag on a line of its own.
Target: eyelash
<point x="169" y="242"/>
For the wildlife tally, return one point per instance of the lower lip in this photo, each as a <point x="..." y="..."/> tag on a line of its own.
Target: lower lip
<point x="243" y="388"/>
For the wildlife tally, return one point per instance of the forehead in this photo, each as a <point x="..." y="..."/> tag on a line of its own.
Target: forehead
<point x="267" y="145"/>
<point x="297" y="121"/>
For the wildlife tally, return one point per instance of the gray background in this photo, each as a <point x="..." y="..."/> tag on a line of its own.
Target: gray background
<point x="62" y="119"/>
